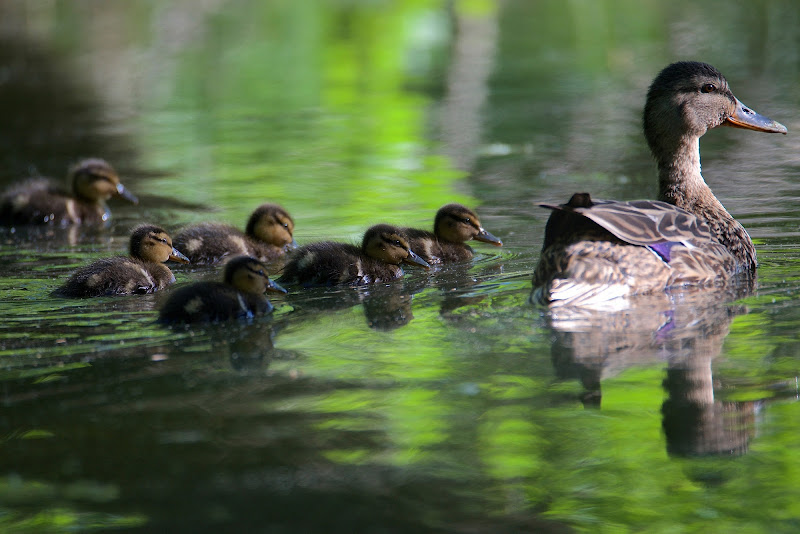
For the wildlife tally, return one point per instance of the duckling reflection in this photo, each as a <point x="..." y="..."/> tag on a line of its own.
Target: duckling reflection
<point x="240" y="296"/>
<point x="267" y="237"/>
<point x="453" y="226"/>
<point x="385" y="307"/>
<point x="378" y="260"/>
<point x="41" y="201"/>
<point x="141" y="272"/>
<point x="388" y="308"/>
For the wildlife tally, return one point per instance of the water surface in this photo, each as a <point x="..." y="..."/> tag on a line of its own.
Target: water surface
<point x="440" y="403"/>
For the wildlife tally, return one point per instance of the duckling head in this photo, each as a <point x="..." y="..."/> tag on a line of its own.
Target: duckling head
<point x="151" y="243"/>
<point x="250" y="276"/>
<point x="387" y="243"/>
<point x="688" y="98"/>
<point x="272" y="224"/>
<point x="96" y="180"/>
<point x="457" y="224"/>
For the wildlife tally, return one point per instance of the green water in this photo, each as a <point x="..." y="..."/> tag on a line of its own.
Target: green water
<point x="443" y="402"/>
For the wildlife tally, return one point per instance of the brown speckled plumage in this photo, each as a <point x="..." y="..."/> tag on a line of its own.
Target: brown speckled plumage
<point x="597" y="251"/>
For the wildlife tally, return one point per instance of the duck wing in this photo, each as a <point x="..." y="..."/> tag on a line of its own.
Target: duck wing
<point x="648" y="223"/>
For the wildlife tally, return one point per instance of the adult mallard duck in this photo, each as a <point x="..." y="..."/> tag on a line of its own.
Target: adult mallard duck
<point x="328" y="263"/>
<point x="241" y="295"/>
<point x="268" y="236"/>
<point x="141" y="272"/>
<point x="453" y="225"/>
<point x="40" y="201"/>
<point x="595" y="251"/>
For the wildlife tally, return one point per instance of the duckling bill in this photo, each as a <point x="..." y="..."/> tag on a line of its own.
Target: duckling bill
<point x="268" y="236"/>
<point x="141" y="272"/>
<point x="453" y="226"/>
<point x="595" y="251"/>
<point x="241" y="295"/>
<point x="383" y="249"/>
<point x="40" y="201"/>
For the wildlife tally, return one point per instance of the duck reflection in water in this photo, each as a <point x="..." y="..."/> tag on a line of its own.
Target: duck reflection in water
<point x="686" y="330"/>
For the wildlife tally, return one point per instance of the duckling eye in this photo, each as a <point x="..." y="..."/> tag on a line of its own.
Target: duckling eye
<point x="709" y="88"/>
<point x="397" y="243"/>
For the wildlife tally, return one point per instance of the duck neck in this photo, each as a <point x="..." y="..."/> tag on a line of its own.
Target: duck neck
<point x="679" y="179"/>
<point x="681" y="184"/>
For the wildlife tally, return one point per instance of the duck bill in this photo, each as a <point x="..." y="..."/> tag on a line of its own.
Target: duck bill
<point x="127" y="195"/>
<point x="413" y="259"/>
<point x="178" y="256"/>
<point x="744" y="117"/>
<point x="486" y="237"/>
<point x="275" y="287"/>
<point x="291" y="246"/>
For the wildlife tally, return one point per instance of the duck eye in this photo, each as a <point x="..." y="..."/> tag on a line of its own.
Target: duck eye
<point x="467" y="220"/>
<point x="709" y="88"/>
<point x="397" y="243"/>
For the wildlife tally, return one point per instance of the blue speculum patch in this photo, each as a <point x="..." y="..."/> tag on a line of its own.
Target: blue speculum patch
<point x="663" y="249"/>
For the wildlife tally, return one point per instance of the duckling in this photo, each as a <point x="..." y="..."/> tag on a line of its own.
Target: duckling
<point x="141" y="272"/>
<point x="240" y="296"/>
<point x="40" y="201"/>
<point x="595" y="251"/>
<point x="378" y="260"/>
<point x="453" y="225"/>
<point x="268" y="236"/>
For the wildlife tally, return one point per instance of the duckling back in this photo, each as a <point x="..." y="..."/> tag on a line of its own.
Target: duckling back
<point x="40" y="201"/>
<point x="329" y="263"/>
<point x="210" y="243"/>
<point x="434" y="250"/>
<point x="211" y="302"/>
<point x="268" y="236"/>
<point x="240" y="296"/>
<point x="117" y="276"/>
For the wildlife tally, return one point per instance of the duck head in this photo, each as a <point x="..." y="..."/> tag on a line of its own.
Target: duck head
<point x="457" y="224"/>
<point x="387" y="243"/>
<point x="96" y="180"/>
<point x="272" y="224"/>
<point x="250" y="276"/>
<point x="688" y="98"/>
<point x="153" y="244"/>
